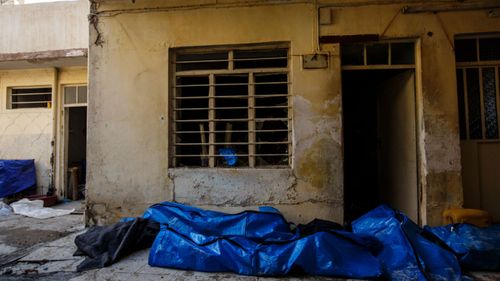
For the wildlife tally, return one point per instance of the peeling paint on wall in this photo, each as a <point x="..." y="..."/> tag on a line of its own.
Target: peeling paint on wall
<point x="129" y="146"/>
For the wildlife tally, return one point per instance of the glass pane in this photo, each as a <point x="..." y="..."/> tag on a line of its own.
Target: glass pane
<point x="377" y="54"/>
<point x="352" y="54"/>
<point x="466" y="50"/>
<point x="489" y="49"/>
<point x="474" y="103"/>
<point x="490" y="103"/>
<point x="402" y="53"/>
<point x="461" y="103"/>
<point x="69" y="95"/>
<point x="82" y="94"/>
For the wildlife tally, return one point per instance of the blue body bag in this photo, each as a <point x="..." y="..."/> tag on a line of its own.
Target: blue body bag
<point x="255" y="243"/>
<point x="477" y="248"/>
<point x="409" y="252"/>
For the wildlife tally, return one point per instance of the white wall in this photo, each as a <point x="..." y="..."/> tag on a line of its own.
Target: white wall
<point x="43" y="27"/>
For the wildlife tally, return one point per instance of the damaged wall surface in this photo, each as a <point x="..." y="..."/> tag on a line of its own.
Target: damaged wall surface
<point x="40" y="45"/>
<point x="128" y="121"/>
<point x="439" y="142"/>
<point x="129" y="117"/>
<point x="27" y="133"/>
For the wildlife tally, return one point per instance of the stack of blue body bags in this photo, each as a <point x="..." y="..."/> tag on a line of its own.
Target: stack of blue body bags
<point x="409" y="252"/>
<point x="256" y="243"/>
<point x="383" y="244"/>
<point x="476" y="248"/>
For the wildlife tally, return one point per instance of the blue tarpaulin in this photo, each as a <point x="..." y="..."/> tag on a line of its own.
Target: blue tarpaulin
<point x="256" y="243"/>
<point x="193" y="222"/>
<point x="409" y="252"/>
<point x="384" y="244"/>
<point x="16" y="176"/>
<point x="477" y="248"/>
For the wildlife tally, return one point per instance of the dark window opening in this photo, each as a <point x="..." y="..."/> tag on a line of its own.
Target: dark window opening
<point x="30" y="98"/>
<point x="367" y="54"/>
<point x="231" y="116"/>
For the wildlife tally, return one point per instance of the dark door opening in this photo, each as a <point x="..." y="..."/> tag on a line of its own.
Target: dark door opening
<point x="380" y="163"/>
<point x="76" y="151"/>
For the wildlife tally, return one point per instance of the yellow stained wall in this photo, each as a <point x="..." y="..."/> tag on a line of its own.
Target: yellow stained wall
<point x="28" y="133"/>
<point x="440" y="169"/>
<point x="128" y="120"/>
<point x="128" y="117"/>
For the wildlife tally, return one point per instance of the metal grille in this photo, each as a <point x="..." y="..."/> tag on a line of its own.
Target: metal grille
<point x="30" y="98"/>
<point x="478" y="87"/>
<point x="231" y="107"/>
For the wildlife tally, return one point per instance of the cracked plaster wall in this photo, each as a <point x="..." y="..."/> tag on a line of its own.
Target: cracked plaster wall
<point x="440" y="168"/>
<point x="27" y="133"/>
<point x="128" y="120"/>
<point x="128" y="124"/>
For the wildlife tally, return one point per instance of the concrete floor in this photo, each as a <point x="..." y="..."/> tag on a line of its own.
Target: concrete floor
<point x="32" y="249"/>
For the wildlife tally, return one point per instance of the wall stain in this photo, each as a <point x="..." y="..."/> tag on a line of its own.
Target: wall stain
<point x="317" y="166"/>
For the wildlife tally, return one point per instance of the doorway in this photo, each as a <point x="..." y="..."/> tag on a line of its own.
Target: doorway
<point x="380" y="155"/>
<point x="75" y="116"/>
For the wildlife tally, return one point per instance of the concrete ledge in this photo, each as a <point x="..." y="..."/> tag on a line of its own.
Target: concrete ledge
<point x="44" y="55"/>
<point x="43" y="59"/>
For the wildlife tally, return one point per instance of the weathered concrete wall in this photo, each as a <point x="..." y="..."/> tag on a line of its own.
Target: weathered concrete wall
<point x="42" y="27"/>
<point x="128" y="124"/>
<point x="27" y="133"/>
<point x="440" y="170"/>
<point x="38" y="30"/>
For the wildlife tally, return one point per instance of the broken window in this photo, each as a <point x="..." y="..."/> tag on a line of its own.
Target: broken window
<point x="231" y="107"/>
<point x="40" y="97"/>
<point x="478" y="62"/>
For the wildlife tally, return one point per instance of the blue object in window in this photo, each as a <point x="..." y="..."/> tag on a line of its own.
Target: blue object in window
<point x="229" y="155"/>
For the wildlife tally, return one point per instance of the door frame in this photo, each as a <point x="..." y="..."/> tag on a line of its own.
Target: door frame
<point x="62" y="136"/>
<point x="419" y="141"/>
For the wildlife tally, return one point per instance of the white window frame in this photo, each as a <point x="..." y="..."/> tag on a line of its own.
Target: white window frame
<point x="75" y="104"/>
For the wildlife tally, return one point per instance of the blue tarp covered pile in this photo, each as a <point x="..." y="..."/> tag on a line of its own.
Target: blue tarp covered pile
<point x="409" y="252"/>
<point x="256" y="243"/>
<point x="16" y="176"/>
<point x="383" y="244"/>
<point x="476" y="248"/>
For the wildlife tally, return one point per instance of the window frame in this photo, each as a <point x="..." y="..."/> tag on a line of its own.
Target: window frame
<point x="9" y="89"/>
<point x="480" y="66"/>
<point x="230" y="70"/>
<point x="75" y="104"/>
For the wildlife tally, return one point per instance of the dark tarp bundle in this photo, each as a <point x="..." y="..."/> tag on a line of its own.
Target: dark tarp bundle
<point x="256" y="243"/>
<point x="104" y="245"/>
<point x="16" y="176"/>
<point x="477" y="248"/>
<point x="409" y="252"/>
